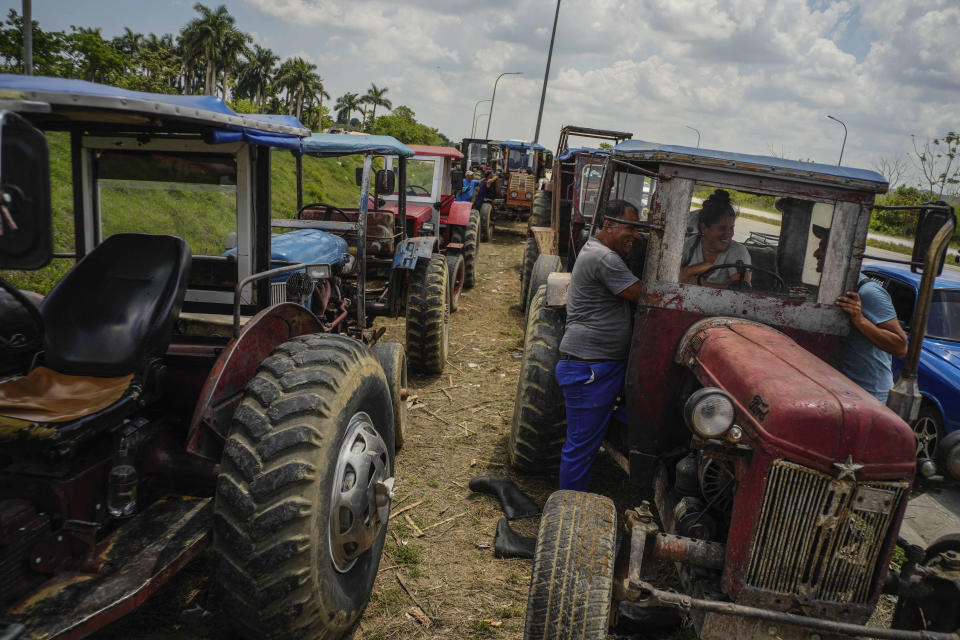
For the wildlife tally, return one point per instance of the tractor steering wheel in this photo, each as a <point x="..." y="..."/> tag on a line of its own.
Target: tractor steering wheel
<point x="412" y="190"/>
<point x="328" y="210"/>
<point x="741" y="267"/>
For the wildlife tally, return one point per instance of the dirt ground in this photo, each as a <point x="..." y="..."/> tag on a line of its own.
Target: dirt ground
<point x="438" y="577"/>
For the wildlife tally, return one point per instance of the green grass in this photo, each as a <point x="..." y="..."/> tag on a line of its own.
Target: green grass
<point x="203" y="216"/>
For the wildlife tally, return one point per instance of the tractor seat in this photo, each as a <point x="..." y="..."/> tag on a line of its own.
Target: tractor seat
<point x="104" y="323"/>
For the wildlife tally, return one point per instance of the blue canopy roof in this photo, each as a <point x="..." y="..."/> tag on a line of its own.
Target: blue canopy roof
<point x="568" y="154"/>
<point x="344" y="144"/>
<point x="229" y="126"/>
<point x="521" y="143"/>
<point x="687" y="154"/>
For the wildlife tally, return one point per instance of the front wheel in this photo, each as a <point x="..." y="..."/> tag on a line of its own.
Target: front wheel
<point x="486" y="222"/>
<point x="471" y="244"/>
<point x="393" y="361"/>
<point x="428" y="316"/>
<point x="455" y="272"/>
<point x="571" y="585"/>
<point x="303" y="495"/>
<point x="928" y="430"/>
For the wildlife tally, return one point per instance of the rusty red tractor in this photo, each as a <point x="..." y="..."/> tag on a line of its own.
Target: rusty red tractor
<point x="166" y="393"/>
<point x="777" y="486"/>
<point x="562" y="211"/>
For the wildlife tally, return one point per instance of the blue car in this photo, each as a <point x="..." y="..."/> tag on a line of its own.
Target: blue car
<point x="939" y="369"/>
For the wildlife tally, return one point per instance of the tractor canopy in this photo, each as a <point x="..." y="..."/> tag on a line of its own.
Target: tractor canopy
<point x="336" y="144"/>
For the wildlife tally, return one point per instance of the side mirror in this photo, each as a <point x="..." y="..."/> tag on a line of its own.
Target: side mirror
<point x="456" y="179"/>
<point x="359" y="176"/>
<point x="385" y="181"/>
<point x="26" y="219"/>
<point x="929" y="222"/>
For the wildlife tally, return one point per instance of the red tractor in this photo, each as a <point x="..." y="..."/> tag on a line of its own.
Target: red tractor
<point x="564" y="208"/>
<point x="777" y="486"/>
<point x="432" y="211"/>
<point x="167" y="394"/>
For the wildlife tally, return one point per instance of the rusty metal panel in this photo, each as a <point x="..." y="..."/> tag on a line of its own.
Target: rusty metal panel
<point x="848" y="228"/>
<point x="666" y="248"/>
<point x="820" y="536"/>
<point x="546" y="239"/>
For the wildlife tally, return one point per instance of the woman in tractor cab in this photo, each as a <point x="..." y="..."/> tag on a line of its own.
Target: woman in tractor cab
<point x="714" y="245"/>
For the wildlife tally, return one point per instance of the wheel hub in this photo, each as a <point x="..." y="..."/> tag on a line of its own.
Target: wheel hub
<point x="925" y="431"/>
<point x="360" y="505"/>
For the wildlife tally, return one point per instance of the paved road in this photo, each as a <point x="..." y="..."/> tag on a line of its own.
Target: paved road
<point x="745" y="226"/>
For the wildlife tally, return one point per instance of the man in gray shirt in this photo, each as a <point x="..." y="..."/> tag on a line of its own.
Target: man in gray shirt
<point x="593" y="352"/>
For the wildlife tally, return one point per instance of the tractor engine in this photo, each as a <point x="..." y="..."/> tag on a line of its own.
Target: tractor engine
<point x="802" y="474"/>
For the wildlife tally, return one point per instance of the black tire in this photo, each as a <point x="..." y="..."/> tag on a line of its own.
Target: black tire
<point x="471" y="246"/>
<point x="277" y="508"/>
<point x="486" y="222"/>
<point x="540" y="209"/>
<point x="571" y="585"/>
<point x="455" y="276"/>
<point x="428" y="316"/>
<point x="393" y="361"/>
<point x="530" y="253"/>
<point x="544" y="265"/>
<point x="539" y="424"/>
<point x="928" y="430"/>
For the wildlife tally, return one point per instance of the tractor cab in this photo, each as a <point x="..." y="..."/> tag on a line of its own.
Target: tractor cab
<point x="777" y="484"/>
<point x="162" y="382"/>
<point x="524" y="165"/>
<point x="479" y="153"/>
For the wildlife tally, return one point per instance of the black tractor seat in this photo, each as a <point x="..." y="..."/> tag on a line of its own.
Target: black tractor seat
<point x="107" y="324"/>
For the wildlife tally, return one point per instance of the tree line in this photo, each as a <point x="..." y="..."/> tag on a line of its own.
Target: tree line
<point x="209" y="56"/>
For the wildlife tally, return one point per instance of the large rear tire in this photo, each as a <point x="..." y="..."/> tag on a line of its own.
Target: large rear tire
<point x="393" y="361"/>
<point x="544" y="265"/>
<point x="486" y="222"/>
<point x="471" y="244"/>
<point x="539" y="424"/>
<point x="302" y="498"/>
<point x="571" y="585"/>
<point x="540" y="209"/>
<point x="530" y="253"/>
<point x="428" y="316"/>
<point x="455" y="278"/>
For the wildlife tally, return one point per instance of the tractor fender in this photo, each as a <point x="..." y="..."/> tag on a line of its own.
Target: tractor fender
<point x="459" y="214"/>
<point x="558" y="283"/>
<point x="236" y="366"/>
<point x="411" y="249"/>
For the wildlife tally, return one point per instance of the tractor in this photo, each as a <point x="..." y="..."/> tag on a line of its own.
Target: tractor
<point x="773" y="483"/>
<point x="432" y="211"/>
<point x="524" y="165"/>
<point x="556" y="228"/>
<point x="404" y="274"/>
<point x="168" y="392"/>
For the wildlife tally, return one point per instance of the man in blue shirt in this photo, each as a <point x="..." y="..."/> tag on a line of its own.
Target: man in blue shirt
<point x="877" y="335"/>
<point x="469" y="184"/>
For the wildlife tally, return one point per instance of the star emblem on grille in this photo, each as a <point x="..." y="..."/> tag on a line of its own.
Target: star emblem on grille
<point x="848" y="469"/>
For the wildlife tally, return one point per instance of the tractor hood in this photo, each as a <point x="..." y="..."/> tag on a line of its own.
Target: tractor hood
<point x="794" y="405"/>
<point x="310" y="246"/>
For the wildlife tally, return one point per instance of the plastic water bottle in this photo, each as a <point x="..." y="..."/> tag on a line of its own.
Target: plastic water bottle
<point x="122" y="486"/>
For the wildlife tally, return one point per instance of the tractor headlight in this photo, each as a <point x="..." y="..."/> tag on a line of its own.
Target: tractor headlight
<point x="709" y="412"/>
<point x="319" y="271"/>
<point x="513" y="194"/>
<point x="529" y="195"/>
<point x="427" y="227"/>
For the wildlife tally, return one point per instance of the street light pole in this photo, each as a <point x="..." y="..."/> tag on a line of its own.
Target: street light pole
<point x="546" y="74"/>
<point x="27" y="37"/>
<point x="698" y="134"/>
<point x="494" y="98"/>
<point x="477" y="118"/>
<point x="844" y="138"/>
<point x="475" y="114"/>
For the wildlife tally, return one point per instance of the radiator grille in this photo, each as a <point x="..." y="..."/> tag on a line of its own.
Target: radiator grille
<point x="820" y="537"/>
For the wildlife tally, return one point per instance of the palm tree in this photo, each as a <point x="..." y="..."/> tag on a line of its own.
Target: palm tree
<point x="375" y="98"/>
<point x="321" y="93"/>
<point x="346" y="105"/>
<point x="234" y="45"/>
<point x="205" y="36"/>
<point x="253" y="80"/>
<point x="299" y="79"/>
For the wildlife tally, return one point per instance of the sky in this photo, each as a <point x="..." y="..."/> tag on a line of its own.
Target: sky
<point x="752" y="76"/>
